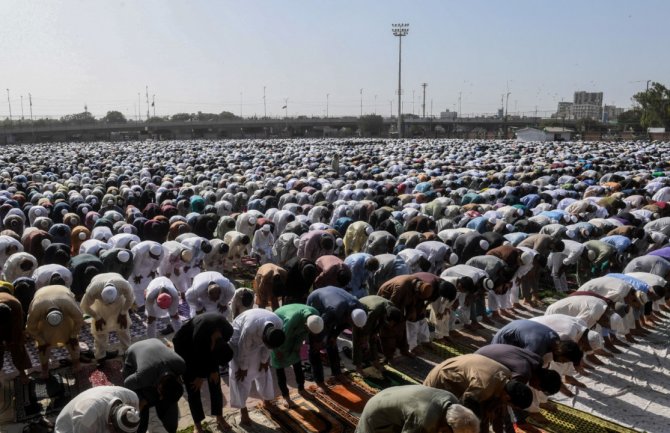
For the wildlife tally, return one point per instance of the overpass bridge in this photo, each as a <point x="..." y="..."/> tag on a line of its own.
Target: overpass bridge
<point x="260" y="128"/>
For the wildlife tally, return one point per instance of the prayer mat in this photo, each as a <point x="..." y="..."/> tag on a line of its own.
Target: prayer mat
<point x="567" y="420"/>
<point x="346" y="399"/>
<point x="402" y="377"/>
<point x="389" y="379"/>
<point x="416" y="368"/>
<point x="109" y="374"/>
<point x="307" y="417"/>
<point x="42" y="397"/>
<point x="450" y="350"/>
<point x="260" y="423"/>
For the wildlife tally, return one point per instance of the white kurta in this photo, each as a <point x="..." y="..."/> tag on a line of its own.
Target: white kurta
<point x="152" y="308"/>
<point x="198" y="298"/>
<point x="145" y="269"/>
<point x="43" y="274"/>
<point x="89" y="411"/>
<point x="249" y="353"/>
<point x="93" y="305"/>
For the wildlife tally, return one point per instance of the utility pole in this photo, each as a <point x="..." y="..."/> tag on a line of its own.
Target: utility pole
<point x="139" y="107"/>
<point x="153" y="103"/>
<point x="391" y="105"/>
<point x="413" y="111"/>
<point x="147" y="90"/>
<point x="423" y="105"/>
<point x="286" y="108"/>
<point x="9" y="102"/>
<point x="375" y="104"/>
<point x="400" y="30"/>
<point x="361" y="102"/>
<point x="327" y="100"/>
<point x="32" y="124"/>
<point x="265" y="107"/>
<point x="241" y="103"/>
<point x="459" y="104"/>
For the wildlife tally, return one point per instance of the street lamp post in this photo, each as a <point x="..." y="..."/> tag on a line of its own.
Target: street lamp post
<point x="400" y="30"/>
<point x="9" y="103"/>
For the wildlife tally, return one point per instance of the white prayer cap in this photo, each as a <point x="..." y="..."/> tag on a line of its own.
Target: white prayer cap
<point x="109" y="294"/>
<point x="54" y="317"/>
<point x="359" y="317"/>
<point x="315" y="324"/>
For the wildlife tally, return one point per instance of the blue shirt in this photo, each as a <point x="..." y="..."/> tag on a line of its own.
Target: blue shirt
<point x="527" y="334"/>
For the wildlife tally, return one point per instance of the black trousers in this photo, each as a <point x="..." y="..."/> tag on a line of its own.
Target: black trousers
<point x="195" y="402"/>
<point x="299" y="378"/>
<point x="168" y="413"/>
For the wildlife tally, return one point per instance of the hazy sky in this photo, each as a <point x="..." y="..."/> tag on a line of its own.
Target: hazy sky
<point x="217" y="55"/>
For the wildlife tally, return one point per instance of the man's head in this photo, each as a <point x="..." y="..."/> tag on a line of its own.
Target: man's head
<point x="567" y="351"/>
<point x="460" y="419"/>
<point x="359" y="317"/>
<point x="164" y="300"/>
<point x="123" y="418"/>
<point x="213" y="292"/>
<point x="57" y="279"/>
<point x="394" y="315"/>
<point x="518" y="394"/>
<point x="546" y="380"/>
<point x="465" y="285"/>
<point x="446" y="290"/>
<point x="326" y="242"/>
<point x="109" y="294"/>
<point x="54" y="316"/>
<point x="170" y="388"/>
<point x="273" y="337"/>
<point x="372" y="264"/>
<point x="424" y="264"/>
<point x="247" y="298"/>
<point x="314" y="324"/>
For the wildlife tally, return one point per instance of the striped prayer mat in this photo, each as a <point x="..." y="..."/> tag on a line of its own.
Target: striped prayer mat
<point x="308" y="416"/>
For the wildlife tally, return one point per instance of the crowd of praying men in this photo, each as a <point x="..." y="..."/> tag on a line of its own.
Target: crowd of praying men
<point x="400" y="242"/>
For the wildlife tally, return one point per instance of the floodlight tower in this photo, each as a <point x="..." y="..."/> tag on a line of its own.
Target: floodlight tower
<point x="400" y="30"/>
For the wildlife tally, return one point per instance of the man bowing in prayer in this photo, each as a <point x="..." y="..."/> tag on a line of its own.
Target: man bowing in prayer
<point x="255" y="333"/>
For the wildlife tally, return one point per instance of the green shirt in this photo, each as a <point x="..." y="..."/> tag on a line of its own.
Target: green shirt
<point x="294" y="317"/>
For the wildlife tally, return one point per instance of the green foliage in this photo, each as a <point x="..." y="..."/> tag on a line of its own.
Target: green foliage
<point x="631" y="120"/>
<point x="114" y="117"/>
<point x="181" y="117"/>
<point x="371" y="124"/>
<point x="655" y="106"/>
<point x="78" y="119"/>
<point x="227" y="115"/>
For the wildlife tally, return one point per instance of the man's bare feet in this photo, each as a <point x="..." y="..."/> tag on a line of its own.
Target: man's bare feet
<point x="593" y="359"/>
<point x="572" y="381"/>
<point x="290" y="404"/>
<point x="565" y="391"/>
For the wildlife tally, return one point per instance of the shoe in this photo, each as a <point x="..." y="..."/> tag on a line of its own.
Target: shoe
<point x="168" y="330"/>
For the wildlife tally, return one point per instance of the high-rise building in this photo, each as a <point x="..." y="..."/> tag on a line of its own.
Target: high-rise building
<point x="592" y="98"/>
<point x="588" y="105"/>
<point x="564" y="110"/>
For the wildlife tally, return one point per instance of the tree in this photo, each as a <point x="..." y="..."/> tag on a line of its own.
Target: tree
<point x="655" y="106"/>
<point x="181" y="117"/>
<point x="227" y="115"/>
<point x="78" y="119"/>
<point x="114" y="117"/>
<point x="631" y="120"/>
<point x="371" y="124"/>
